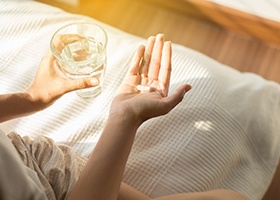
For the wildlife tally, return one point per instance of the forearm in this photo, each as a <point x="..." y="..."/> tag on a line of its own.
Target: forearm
<point x="102" y="176"/>
<point x="16" y="105"/>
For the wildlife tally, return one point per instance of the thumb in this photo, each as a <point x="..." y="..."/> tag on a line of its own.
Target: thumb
<point x="174" y="99"/>
<point x="78" y="84"/>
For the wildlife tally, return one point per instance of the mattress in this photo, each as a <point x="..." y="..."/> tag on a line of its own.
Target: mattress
<point x="225" y="133"/>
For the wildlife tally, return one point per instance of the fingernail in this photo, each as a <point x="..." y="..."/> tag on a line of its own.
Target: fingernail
<point x="159" y="35"/>
<point x="187" y="89"/>
<point x="94" y="82"/>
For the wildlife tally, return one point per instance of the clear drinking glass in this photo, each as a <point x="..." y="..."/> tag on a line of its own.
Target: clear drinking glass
<point x="80" y="49"/>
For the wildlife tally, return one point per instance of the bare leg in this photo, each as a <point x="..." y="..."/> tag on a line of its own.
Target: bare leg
<point x="209" y="195"/>
<point x="128" y="193"/>
<point x="273" y="191"/>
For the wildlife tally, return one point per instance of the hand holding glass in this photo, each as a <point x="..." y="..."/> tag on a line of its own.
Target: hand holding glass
<point x="80" y="49"/>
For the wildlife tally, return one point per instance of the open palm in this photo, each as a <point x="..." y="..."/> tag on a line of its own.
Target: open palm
<point x="151" y="67"/>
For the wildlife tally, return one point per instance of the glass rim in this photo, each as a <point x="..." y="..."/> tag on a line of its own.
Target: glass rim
<point x="56" y="54"/>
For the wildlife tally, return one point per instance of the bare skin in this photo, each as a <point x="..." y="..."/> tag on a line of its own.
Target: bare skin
<point x="130" y="108"/>
<point x="101" y="178"/>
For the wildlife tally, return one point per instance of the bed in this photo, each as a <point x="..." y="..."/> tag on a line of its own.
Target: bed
<point x="225" y="134"/>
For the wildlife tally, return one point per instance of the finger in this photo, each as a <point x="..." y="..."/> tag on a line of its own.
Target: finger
<point x="61" y="40"/>
<point x="49" y="57"/>
<point x="78" y="84"/>
<point x="138" y="56"/>
<point x="48" y="62"/>
<point x="147" y="56"/>
<point x="174" y="99"/>
<point x="156" y="57"/>
<point x="165" y="68"/>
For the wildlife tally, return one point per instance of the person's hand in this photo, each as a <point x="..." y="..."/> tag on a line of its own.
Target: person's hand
<point x="151" y="67"/>
<point x="50" y="83"/>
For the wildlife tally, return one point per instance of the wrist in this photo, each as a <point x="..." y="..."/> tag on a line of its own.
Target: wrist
<point x="125" y="117"/>
<point x="38" y="100"/>
<point x="32" y="105"/>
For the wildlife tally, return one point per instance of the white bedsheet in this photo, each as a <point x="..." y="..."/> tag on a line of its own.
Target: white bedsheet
<point x="225" y="134"/>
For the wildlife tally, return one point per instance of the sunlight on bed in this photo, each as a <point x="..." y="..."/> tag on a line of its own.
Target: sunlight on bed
<point x="204" y="125"/>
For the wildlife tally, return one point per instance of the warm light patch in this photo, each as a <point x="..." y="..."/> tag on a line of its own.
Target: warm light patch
<point x="204" y="125"/>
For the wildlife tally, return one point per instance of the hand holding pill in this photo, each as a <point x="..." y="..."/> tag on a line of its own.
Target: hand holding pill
<point x="144" y="90"/>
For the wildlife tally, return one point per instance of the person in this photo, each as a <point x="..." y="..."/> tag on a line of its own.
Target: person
<point x="100" y="176"/>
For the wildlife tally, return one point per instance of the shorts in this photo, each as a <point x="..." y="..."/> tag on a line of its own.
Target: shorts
<point x="57" y="166"/>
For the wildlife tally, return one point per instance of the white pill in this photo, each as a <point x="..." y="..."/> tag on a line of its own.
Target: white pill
<point x="143" y="88"/>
